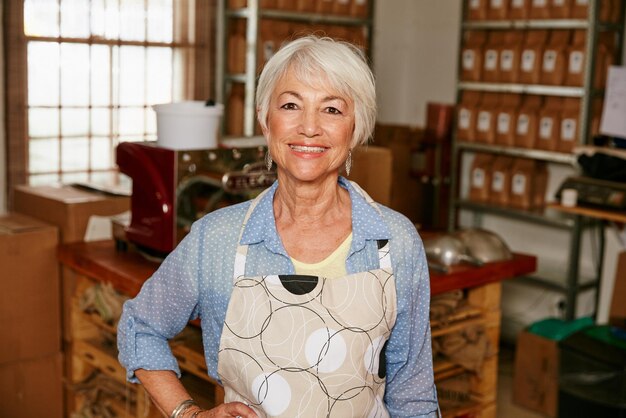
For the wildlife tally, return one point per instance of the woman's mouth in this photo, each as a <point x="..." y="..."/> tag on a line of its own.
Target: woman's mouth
<point x="307" y="149"/>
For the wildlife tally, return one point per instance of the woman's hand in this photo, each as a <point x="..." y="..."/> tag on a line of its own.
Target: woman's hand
<point x="229" y="410"/>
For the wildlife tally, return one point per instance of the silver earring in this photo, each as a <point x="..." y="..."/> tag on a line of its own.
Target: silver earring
<point x="349" y="163"/>
<point x="268" y="160"/>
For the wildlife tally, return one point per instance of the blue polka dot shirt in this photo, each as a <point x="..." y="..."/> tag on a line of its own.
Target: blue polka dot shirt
<point x="196" y="279"/>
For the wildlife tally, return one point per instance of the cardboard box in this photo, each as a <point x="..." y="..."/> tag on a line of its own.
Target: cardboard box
<point x="32" y="388"/>
<point x="536" y="376"/>
<point x="67" y="207"/>
<point x="371" y="169"/>
<point x="29" y="289"/>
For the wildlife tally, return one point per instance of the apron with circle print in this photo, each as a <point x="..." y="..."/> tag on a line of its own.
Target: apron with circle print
<point x="307" y="346"/>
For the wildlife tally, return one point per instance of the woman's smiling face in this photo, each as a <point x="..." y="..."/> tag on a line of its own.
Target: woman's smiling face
<point x="309" y="128"/>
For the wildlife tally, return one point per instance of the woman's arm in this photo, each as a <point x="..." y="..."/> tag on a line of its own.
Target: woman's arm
<point x="167" y="393"/>
<point x="410" y="390"/>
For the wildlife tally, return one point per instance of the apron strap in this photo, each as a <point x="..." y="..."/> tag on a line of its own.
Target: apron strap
<point x="242" y="250"/>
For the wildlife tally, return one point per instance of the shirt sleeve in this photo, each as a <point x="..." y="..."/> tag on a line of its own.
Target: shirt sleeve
<point x="166" y="303"/>
<point x="410" y="390"/>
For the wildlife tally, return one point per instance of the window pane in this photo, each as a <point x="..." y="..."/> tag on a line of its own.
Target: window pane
<point x="160" y="20"/>
<point x="105" y="18"/>
<point x="132" y="75"/>
<point x="74" y="74"/>
<point x="101" y="153"/>
<point x="159" y="77"/>
<point x="74" y="154"/>
<point x="43" y="179"/>
<point x="43" y="74"/>
<point x="74" y="122"/>
<point x="41" y="18"/>
<point x="107" y="177"/>
<point x="100" y="75"/>
<point x="131" y="122"/>
<point x="133" y="20"/>
<point x="181" y="58"/>
<point x="100" y="121"/>
<point x="68" y="178"/>
<point x="151" y="123"/>
<point x="75" y="18"/>
<point x="43" y="122"/>
<point x="43" y="155"/>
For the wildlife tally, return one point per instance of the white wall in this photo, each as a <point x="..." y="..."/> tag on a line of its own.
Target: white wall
<point x="415" y="60"/>
<point x="3" y="161"/>
<point x="415" y="57"/>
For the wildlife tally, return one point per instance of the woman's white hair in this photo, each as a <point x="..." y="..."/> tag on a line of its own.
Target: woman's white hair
<point x="338" y="64"/>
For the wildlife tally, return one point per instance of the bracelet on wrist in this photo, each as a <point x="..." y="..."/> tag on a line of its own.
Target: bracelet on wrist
<point x="182" y="407"/>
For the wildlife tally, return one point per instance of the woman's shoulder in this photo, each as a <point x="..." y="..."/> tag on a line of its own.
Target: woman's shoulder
<point x="398" y="224"/>
<point x="224" y="219"/>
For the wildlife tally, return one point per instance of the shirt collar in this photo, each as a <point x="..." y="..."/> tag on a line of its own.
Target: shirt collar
<point x="367" y="221"/>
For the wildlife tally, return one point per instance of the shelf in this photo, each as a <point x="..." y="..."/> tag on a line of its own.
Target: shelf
<point x="445" y="369"/>
<point x="553" y="285"/>
<point x="302" y="17"/>
<point x="562" y="91"/>
<point x="551" y="156"/>
<point x="547" y="216"/>
<point x="528" y="24"/>
<point x="460" y="319"/>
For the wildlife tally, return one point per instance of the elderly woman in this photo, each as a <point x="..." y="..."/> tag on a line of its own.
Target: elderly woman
<point x="313" y="299"/>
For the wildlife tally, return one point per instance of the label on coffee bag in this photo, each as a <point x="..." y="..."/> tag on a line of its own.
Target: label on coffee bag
<point x="518" y="184"/>
<point x="568" y="129"/>
<point x="528" y="60"/>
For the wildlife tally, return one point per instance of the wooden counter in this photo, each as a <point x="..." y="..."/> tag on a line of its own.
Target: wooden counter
<point x="128" y="270"/>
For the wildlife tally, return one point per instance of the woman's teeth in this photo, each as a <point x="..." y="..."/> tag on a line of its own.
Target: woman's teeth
<point x="303" y="148"/>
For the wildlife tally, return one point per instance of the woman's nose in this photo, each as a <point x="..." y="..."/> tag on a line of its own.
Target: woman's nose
<point x="310" y="123"/>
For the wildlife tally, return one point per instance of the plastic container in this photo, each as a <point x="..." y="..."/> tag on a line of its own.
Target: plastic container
<point x="188" y="125"/>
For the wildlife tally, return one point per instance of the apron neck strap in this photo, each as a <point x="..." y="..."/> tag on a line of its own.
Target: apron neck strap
<point x="242" y="250"/>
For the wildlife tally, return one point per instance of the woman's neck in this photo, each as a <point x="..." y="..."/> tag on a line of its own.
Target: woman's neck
<point x="310" y="203"/>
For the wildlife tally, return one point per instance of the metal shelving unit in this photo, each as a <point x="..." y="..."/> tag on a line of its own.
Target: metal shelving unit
<point x="253" y="14"/>
<point x="573" y="224"/>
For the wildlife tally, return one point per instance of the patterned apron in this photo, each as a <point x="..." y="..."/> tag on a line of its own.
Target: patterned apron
<point x="307" y="346"/>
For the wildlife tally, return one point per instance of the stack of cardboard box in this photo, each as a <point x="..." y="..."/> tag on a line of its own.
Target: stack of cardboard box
<point x="30" y="353"/>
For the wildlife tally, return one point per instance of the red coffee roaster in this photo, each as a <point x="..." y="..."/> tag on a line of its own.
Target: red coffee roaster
<point x="173" y="188"/>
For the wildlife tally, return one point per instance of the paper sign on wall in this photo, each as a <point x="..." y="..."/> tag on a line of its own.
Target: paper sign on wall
<point x="613" y="122"/>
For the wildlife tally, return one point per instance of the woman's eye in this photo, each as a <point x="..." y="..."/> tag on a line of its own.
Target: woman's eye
<point x="289" y="106"/>
<point x="333" y="110"/>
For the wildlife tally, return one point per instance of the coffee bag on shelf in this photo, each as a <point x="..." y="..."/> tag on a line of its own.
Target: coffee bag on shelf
<point x="498" y="9"/>
<point x="480" y="177"/>
<point x="553" y="59"/>
<point x="532" y="53"/>
<point x="539" y="9"/>
<point x="491" y="54"/>
<point x="466" y="115"/>
<point x="549" y="124"/>
<point x="510" y="56"/>
<point x="560" y="9"/>
<point x="477" y="9"/>
<point x="505" y="119"/>
<point x="486" y="118"/>
<point x="574" y="74"/>
<point x="501" y="180"/>
<point x="472" y="55"/>
<point x="522" y="173"/>
<point x="519" y="9"/>
<point x="527" y="121"/>
<point x="569" y="132"/>
<point x="359" y="8"/>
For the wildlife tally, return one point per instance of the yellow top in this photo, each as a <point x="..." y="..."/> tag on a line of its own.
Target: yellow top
<point x="331" y="267"/>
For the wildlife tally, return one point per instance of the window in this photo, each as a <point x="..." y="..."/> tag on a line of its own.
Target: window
<point x="82" y="76"/>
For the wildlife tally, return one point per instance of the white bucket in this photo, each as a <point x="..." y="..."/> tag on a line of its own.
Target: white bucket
<point x="188" y="125"/>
